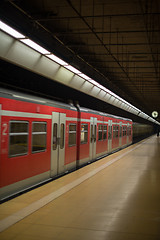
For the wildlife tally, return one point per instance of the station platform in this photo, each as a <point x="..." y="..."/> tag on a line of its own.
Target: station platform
<point x="115" y="198"/>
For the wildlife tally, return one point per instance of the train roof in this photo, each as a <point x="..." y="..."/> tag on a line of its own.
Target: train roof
<point x="34" y="99"/>
<point x="82" y="109"/>
<point x="12" y="94"/>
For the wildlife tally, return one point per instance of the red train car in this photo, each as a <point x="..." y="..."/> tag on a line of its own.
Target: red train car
<point x="41" y="139"/>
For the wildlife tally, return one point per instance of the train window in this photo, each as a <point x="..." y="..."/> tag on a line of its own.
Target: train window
<point x="18" y="138"/>
<point x="115" y="131"/>
<point x="129" y="131"/>
<point x="124" y="130"/>
<point x="120" y="131"/>
<point x="39" y="133"/>
<point x="95" y="133"/>
<point x="62" y="136"/>
<point x="114" y="135"/>
<point x="84" y="133"/>
<point x="91" y="135"/>
<point x="72" y="135"/>
<point x="110" y="132"/>
<point x="54" y="146"/>
<point x="104" y="132"/>
<point x="100" y="131"/>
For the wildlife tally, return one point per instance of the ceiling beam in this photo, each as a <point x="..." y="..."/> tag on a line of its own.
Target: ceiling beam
<point x="55" y="18"/>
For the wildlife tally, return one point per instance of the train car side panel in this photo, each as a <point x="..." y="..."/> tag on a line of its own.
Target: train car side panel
<point x="24" y="153"/>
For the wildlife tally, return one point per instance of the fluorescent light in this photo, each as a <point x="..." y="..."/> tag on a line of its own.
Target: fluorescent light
<point x="69" y="67"/>
<point x="92" y="81"/>
<point x="35" y="46"/>
<point x="57" y="59"/>
<point x="96" y="84"/>
<point x="10" y="30"/>
<point x="84" y="76"/>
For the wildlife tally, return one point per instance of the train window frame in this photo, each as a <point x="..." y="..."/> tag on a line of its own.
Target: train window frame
<point x="105" y="132"/>
<point x="85" y="132"/>
<point x="62" y="135"/>
<point x="72" y="132"/>
<point x="95" y="133"/>
<point x="110" y="134"/>
<point x="34" y="133"/>
<point x="55" y="132"/>
<point x="100" y="131"/>
<point x="120" y="131"/>
<point x="124" y="131"/>
<point x="129" y="131"/>
<point x="11" y="134"/>
<point x="115" y="131"/>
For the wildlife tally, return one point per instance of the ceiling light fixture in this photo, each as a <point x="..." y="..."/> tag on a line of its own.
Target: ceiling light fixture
<point x="57" y="59"/>
<point x="10" y="30"/>
<point x="72" y="69"/>
<point x="35" y="46"/>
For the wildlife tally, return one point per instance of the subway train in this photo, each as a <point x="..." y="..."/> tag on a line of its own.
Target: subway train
<point x="140" y="130"/>
<point x="42" y="139"/>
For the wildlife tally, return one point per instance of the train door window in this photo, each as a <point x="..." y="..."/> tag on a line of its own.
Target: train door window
<point x="62" y="136"/>
<point x="104" y="132"/>
<point x="124" y="131"/>
<point x="117" y="129"/>
<point x="18" y="138"/>
<point x="91" y="136"/>
<point x="120" y="131"/>
<point x="72" y="135"/>
<point x="114" y="131"/>
<point x="39" y="134"/>
<point x="84" y="133"/>
<point x="95" y="133"/>
<point x="110" y="132"/>
<point x="129" y="131"/>
<point x="54" y="146"/>
<point x="100" y="132"/>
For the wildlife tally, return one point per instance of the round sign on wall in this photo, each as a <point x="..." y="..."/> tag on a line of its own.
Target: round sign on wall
<point x="154" y="114"/>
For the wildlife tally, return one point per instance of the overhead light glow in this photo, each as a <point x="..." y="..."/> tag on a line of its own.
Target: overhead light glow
<point x="10" y="30"/>
<point x="103" y="88"/>
<point x="84" y="76"/>
<point x="94" y="82"/>
<point x="57" y="59"/>
<point x="72" y="69"/>
<point x="35" y="46"/>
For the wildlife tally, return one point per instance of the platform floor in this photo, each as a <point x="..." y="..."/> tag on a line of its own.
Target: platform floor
<point x="116" y="198"/>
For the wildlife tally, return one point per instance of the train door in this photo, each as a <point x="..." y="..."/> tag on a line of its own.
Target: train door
<point x="58" y="143"/>
<point x="93" y="138"/>
<point x="109" y="135"/>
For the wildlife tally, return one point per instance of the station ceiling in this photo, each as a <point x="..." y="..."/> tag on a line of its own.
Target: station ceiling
<point x="115" y="42"/>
